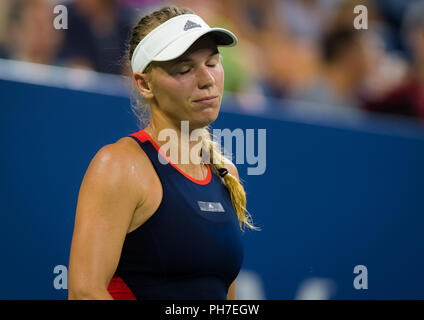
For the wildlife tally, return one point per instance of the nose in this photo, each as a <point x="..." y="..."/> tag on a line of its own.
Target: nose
<point x="205" y="78"/>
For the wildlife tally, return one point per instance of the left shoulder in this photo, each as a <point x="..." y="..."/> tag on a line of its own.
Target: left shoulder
<point x="231" y="168"/>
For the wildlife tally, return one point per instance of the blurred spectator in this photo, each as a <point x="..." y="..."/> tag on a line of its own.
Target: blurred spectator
<point x="408" y="97"/>
<point x="137" y="4"/>
<point x="344" y="14"/>
<point x="344" y="17"/>
<point x="279" y="60"/>
<point x="305" y="20"/>
<point x="30" y="34"/>
<point x="345" y="65"/>
<point x="306" y="49"/>
<point x="393" y="12"/>
<point x="97" y="35"/>
<point x="4" y="20"/>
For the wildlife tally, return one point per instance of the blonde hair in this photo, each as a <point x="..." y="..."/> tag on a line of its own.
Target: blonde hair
<point x="141" y="110"/>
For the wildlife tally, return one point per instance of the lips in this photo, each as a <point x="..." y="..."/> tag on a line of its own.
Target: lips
<point x="208" y="99"/>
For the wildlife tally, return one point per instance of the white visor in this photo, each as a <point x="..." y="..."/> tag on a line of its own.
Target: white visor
<point x="172" y="38"/>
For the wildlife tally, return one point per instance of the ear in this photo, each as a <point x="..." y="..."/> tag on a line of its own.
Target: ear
<point x="143" y="84"/>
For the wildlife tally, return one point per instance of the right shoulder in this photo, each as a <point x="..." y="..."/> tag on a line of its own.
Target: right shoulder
<point x="122" y="165"/>
<point x="121" y="156"/>
<point x="122" y="152"/>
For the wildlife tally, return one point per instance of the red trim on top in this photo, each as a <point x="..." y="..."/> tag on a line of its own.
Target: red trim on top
<point x="119" y="290"/>
<point x="143" y="136"/>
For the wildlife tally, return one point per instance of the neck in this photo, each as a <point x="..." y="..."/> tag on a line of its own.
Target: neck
<point x="176" y="136"/>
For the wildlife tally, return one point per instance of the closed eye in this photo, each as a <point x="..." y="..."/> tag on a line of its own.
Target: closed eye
<point x="184" y="70"/>
<point x="214" y="60"/>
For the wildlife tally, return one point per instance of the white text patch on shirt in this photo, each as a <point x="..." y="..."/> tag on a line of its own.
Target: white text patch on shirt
<point x="211" y="206"/>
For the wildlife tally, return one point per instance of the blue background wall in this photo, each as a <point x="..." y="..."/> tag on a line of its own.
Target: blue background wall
<point x="335" y="193"/>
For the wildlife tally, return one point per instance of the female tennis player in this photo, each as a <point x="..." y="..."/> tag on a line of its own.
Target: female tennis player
<point x="147" y="227"/>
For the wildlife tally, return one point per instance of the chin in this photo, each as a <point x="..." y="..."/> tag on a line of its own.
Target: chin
<point x="205" y="117"/>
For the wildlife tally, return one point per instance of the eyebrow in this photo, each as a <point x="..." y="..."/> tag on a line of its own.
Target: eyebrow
<point x="178" y="60"/>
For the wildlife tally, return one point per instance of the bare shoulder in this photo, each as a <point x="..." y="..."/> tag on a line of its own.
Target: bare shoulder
<point x="121" y="164"/>
<point x="125" y="148"/>
<point x="120" y="156"/>
<point x="231" y="167"/>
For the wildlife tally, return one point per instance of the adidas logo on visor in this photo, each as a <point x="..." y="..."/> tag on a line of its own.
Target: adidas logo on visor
<point x="190" y="25"/>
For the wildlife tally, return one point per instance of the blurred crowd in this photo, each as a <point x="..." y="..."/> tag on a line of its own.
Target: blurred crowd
<point x="297" y="50"/>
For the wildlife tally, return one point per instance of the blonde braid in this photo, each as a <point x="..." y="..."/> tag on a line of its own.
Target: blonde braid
<point x="237" y="194"/>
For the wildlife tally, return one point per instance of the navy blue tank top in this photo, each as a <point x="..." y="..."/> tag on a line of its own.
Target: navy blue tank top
<point x="190" y="248"/>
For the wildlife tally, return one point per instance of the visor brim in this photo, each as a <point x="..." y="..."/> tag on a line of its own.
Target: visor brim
<point x="222" y="36"/>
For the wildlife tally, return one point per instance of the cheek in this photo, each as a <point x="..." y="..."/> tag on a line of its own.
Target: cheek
<point x="221" y="72"/>
<point x="219" y="77"/>
<point x="169" y="91"/>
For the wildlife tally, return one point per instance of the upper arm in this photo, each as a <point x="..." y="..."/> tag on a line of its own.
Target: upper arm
<point x="232" y="291"/>
<point x="106" y="204"/>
